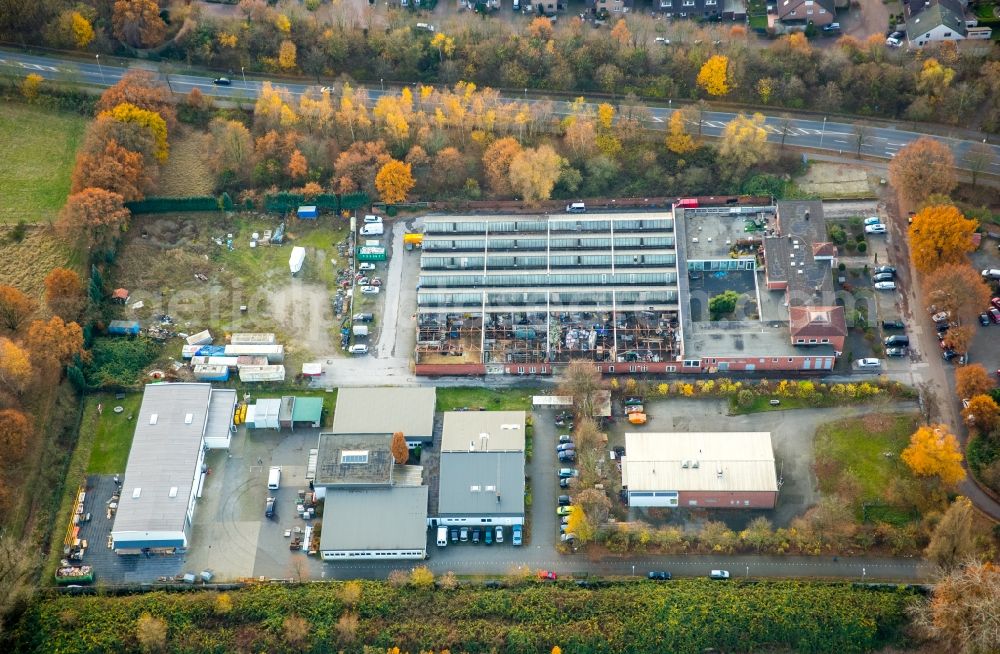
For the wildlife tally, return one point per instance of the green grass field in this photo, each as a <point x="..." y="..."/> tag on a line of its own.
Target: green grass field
<point x="37" y="151"/>
<point x="499" y="399"/>
<point x="112" y="432"/>
<point x="860" y="445"/>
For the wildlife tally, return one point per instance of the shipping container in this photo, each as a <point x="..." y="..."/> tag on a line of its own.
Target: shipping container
<point x="248" y="360"/>
<point x="229" y="362"/>
<point x="252" y="338"/>
<point x="296" y="259"/>
<point x="308" y="213"/>
<point x="211" y="373"/>
<point x="201" y="338"/>
<point x="312" y="369"/>
<point x="361" y="330"/>
<point x="274" y="353"/>
<point x="123" y="327"/>
<point x="211" y="350"/>
<point x="368" y="253"/>
<point x="189" y="351"/>
<point x="262" y="373"/>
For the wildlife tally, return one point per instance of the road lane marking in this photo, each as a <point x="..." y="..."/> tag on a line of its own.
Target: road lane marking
<point x="655" y="119"/>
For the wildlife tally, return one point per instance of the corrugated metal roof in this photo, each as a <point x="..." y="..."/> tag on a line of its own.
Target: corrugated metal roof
<point x="471" y="482"/>
<point x="385" y="410"/>
<point x="307" y="409"/>
<point x="382" y="519"/>
<point x="220" y="412"/>
<point x="464" y="430"/>
<point x="164" y="455"/>
<point x="655" y="461"/>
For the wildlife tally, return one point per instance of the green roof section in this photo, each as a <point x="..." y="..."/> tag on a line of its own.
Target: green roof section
<point x="307" y="409"/>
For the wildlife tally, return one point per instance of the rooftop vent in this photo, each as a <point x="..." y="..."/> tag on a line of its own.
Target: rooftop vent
<point x="696" y="464"/>
<point x="685" y="463"/>
<point x="136" y="492"/>
<point x="152" y="419"/>
<point x="188" y="418"/>
<point x="490" y="489"/>
<point x="718" y="472"/>
<point x="173" y="491"/>
<point x="511" y="426"/>
<point x="474" y="489"/>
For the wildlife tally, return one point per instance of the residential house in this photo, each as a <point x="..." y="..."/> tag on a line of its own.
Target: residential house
<point x="691" y="8"/>
<point x="803" y="12"/>
<point x="609" y="7"/>
<point x="934" y="21"/>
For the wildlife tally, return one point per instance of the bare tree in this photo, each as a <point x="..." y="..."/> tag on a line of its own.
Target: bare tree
<point x="978" y="158"/>
<point x="862" y="133"/>
<point x="581" y="380"/>
<point x="785" y="127"/>
<point x="961" y="614"/>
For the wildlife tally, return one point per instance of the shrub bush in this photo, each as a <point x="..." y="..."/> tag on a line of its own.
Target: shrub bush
<point x="118" y="362"/>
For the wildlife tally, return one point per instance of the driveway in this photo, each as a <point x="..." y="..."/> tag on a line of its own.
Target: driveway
<point x="542" y="471"/>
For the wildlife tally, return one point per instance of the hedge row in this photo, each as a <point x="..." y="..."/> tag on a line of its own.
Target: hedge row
<point x="681" y="617"/>
<point x="278" y="202"/>
<point x="283" y="202"/>
<point x="170" y="205"/>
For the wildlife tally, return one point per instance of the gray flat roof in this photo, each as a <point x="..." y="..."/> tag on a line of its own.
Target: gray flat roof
<point x="746" y="339"/>
<point x="220" y="412"/>
<point x="164" y="458"/>
<point x="385" y="410"/>
<point x="465" y="429"/>
<point x="376" y="519"/>
<point x="354" y="460"/>
<point x="471" y="483"/>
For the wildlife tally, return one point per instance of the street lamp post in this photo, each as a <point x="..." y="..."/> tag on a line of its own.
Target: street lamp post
<point x="824" y="132"/>
<point x="381" y="82"/>
<point x="103" y="81"/>
<point x="244" y="75"/>
<point x="633" y="570"/>
<point x="748" y="572"/>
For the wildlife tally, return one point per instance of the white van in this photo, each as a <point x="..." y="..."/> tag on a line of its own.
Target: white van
<point x="442" y="537"/>
<point x="372" y="229"/>
<point x="274" y="478"/>
<point x="576" y="207"/>
<point x="372" y="219"/>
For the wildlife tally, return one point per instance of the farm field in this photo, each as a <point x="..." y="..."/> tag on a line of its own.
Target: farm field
<point x="37" y="151"/>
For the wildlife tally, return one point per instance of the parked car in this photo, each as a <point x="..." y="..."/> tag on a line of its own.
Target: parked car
<point x="995" y="302"/>
<point x="515" y="538"/>
<point x="566" y="537"/>
<point x="371" y="219"/>
<point x="568" y="445"/>
<point x="564" y="500"/>
<point x="464" y="534"/>
<point x="564" y="520"/>
<point x="949" y="354"/>
<point x="832" y="27"/>
<point x="719" y="574"/>
<point x="547" y="575"/>
<point x="358" y="348"/>
<point x="941" y="328"/>
<point x="364" y="317"/>
<point x="567" y="455"/>
<point x="661" y="40"/>
<point x="883" y="277"/>
<point x="885" y="269"/>
<point x="868" y="363"/>
<point x="659" y="575"/>
<point x="995" y="314"/>
<point x="873" y="220"/>
<point x="488" y="536"/>
<point x="984" y="319"/>
<point x="991" y="273"/>
<point x="893" y="42"/>
<point x="893" y="324"/>
<point x="477" y="534"/>
<point x="564" y="483"/>
<point x="897" y="340"/>
<point x="885" y="286"/>
<point x="369" y="290"/>
<point x="427" y="27"/>
<point x="896" y="351"/>
<point x="875" y="229"/>
<point x="499" y="534"/>
<point x="565" y="438"/>
<point x="222" y="81"/>
<point x="453" y="534"/>
<point x="366" y="266"/>
<point x="269" y="508"/>
<point x="564" y="510"/>
<point x="565" y="473"/>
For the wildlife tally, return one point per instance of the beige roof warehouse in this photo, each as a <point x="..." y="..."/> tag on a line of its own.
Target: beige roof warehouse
<point x="385" y="410"/>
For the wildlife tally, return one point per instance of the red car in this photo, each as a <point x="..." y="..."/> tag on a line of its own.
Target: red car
<point x="995" y="314"/>
<point x="547" y="574"/>
<point x="995" y="302"/>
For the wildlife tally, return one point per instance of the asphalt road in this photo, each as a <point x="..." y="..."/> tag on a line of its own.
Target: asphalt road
<point x="831" y="136"/>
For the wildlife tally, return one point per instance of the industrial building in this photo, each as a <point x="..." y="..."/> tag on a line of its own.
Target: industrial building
<point x="386" y="410"/>
<point x="524" y="295"/>
<point x="175" y="425"/>
<point x="715" y="470"/>
<point x="482" y="469"/>
<point x="373" y="507"/>
<point x="285" y="412"/>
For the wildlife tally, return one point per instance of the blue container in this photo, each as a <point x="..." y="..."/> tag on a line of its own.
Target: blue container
<point x="123" y="328"/>
<point x="211" y="351"/>
<point x="308" y="213"/>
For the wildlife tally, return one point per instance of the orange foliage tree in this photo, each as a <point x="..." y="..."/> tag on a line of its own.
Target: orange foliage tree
<point x="922" y="168"/>
<point x="113" y="169"/>
<point x="64" y="293"/>
<point x="540" y="28"/>
<point x="151" y="120"/>
<point x="399" y="449"/>
<point x="934" y="452"/>
<point x="56" y="340"/>
<point x="496" y="164"/>
<point x="973" y="380"/>
<point x="141" y="88"/>
<point x="94" y="216"/>
<point x="15" y="307"/>
<point x="137" y="23"/>
<point x="961" y="613"/>
<point x="982" y="413"/>
<point x="15" y="429"/>
<point x="297" y="165"/>
<point x="15" y="366"/>
<point x="393" y="181"/>
<point x="938" y="235"/>
<point x="959" y="289"/>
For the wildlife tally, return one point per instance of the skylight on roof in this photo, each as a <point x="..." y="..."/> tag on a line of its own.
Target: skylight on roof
<point x="354" y="456"/>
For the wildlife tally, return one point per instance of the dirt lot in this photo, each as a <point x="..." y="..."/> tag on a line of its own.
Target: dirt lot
<point x="25" y="264"/>
<point x="166" y="256"/>
<point x="185" y="173"/>
<point x="834" y="180"/>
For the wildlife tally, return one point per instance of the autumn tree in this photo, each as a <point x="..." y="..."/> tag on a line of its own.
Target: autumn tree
<point x="958" y="289"/>
<point x="113" y="169"/>
<point x="581" y="380"/>
<point x="231" y="151"/>
<point x="298" y="167"/>
<point x="983" y="413"/>
<point x="70" y="29"/>
<point x="54" y="340"/>
<point x="296" y="631"/>
<point x="137" y="23"/>
<point x="952" y="540"/>
<point x="679" y="139"/>
<point x="496" y="164"/>
<point x="715" y="77"/>
<point x="31" y="86"/>
<point x="448" y="170"/>
<point x="540" y="28"/>
<point x="64" y="293"/>
<point x="586" y="434"/>
<point x="961" y="613"/>
<point x="534" y="171"/>
<point x="94" y="216"/>
<point x="151" y="120"/>
<point x="923" y="167"/>
<point x="15" y="366"/>
<point x="977" y="158"/>
<point x="744" y="145"/>
<point x="15" y="307"/>
<point x="620" y="32"/>
<point x="422" y="577"/>
<point x="140" y="88"/>
<point x="287" y="55"/>
<point x="940" y="234"/>
<point x="15" y="430"/>
<point x="350" y="593"/>
<point x="273" y="109"/>
<point x="580" y="526"/>
<point x="347" y="627"/>
<point x="400" y="451"/>
<point x="973" y="380"/>
<point x="934" y="452"/>
<point x="357" y="166"/>
<point x="151" y="632"/>
<point x="393" y="181"/>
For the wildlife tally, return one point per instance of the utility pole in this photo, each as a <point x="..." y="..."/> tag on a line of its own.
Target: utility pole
<point x="823" y="134"/>
<point x="103" y="81"/>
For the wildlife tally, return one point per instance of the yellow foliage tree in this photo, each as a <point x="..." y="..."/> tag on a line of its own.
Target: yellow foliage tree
<point x="744" y="143"/>
<point x="715" y="76"/>
<point x="15" y="366"/>
<point x="30" y="86"/>
<point x="445" y="45"/>
<point x="540" y="28"/>
<point x="227" y="40"/>
<point x="934" y="79"/>
<point x="83" y="31"/>
<point x="579" y="525"/>
<point x="765" y="87"/>
<point x="933" y="452"/>
<point x="798" y="43"/>
<point x="283" y="24"/>
<point x="394" y="180"/>
<point x="297" y="165"/>
<point x="287" y="55"/>
<point x="422" y="577"/>
<point x="679" y="141"/>
<point x="940" y="234"/>
<point x="534" y="171"/>
<point x="127" y="112"/>
<point x="621" y="33"/>
<point x="605" y="115"/>
<point x="982" y="413"/>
